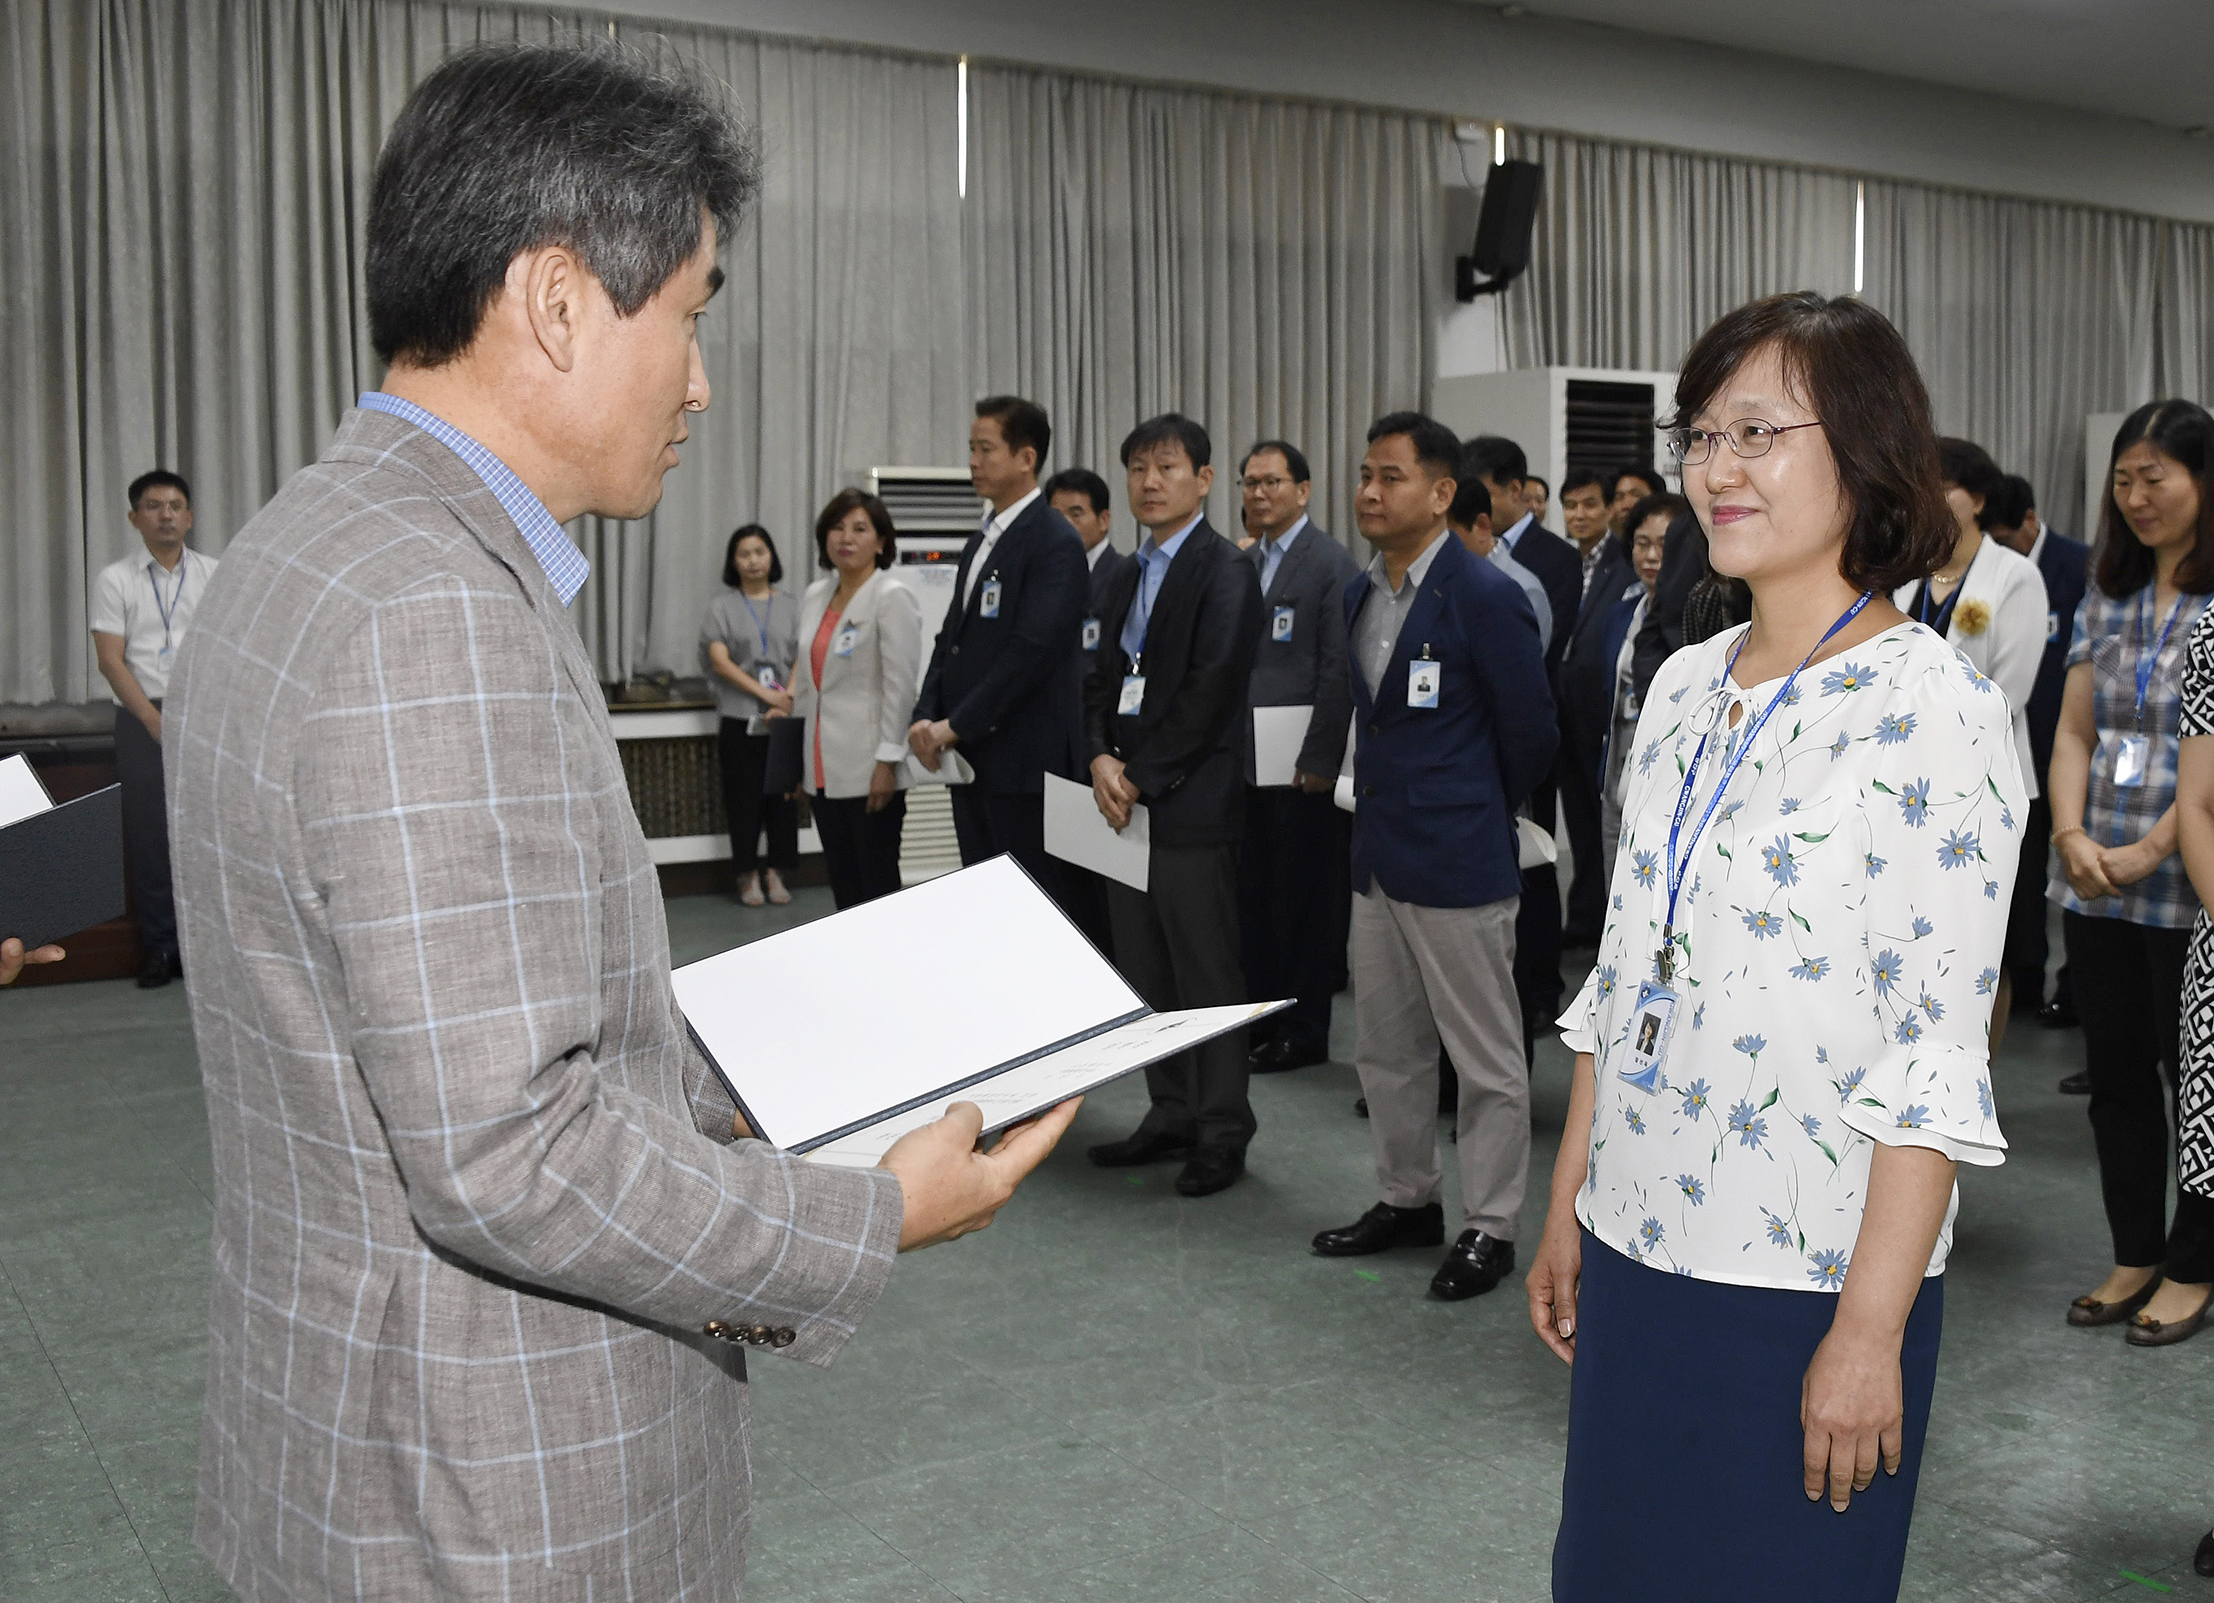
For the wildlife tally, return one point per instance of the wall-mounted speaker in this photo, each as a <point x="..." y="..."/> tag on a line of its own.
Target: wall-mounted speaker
<point x="1503" y="228"/>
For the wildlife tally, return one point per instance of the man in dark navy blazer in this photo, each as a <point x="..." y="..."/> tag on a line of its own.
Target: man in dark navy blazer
<point x="1454" y="728"/>
<point x="2063" y="562"/>
<point x="1080" y="495"/>
<point x="1584" y="689"/>
<point x="1005" y="682"/>
<point x="1162" y="708"/>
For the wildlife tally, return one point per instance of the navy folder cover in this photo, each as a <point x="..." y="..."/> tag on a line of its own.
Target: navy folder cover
<point x="61" y="871"/>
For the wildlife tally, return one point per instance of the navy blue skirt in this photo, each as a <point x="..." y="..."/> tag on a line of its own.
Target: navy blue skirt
<point x="1684" y="1477"/>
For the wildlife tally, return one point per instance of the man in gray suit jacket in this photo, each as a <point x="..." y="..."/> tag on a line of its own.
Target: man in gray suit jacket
<point x="489" y="1246"/>
<point x="1295" y="873"/>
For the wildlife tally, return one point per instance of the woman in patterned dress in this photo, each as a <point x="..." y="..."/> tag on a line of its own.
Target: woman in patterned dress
<point x="2128" y="902"/>
<point x="1781" y="1055"/>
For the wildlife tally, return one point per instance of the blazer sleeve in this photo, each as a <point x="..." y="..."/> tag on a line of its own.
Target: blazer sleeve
<point x="1324" y="748"/>
<point x="899" y="647"/>
<point x="1502" y="629"/>
<point x="1103" y="675"/>
<point x="930" y="699"/>
<point x="1226" y="636"/>
<point x="1683" y="565"/>
<point x="2018" y="635"/>
<point x="454" y="874"/>
<point x="1048" y="626"/>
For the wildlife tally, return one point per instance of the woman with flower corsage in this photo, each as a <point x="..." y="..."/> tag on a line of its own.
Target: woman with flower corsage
<point x="1782" y="1054"/>
<point x="1989" y="601"/>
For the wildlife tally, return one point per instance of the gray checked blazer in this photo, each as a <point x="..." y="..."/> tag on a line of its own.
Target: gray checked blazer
<point x="486" y="1255"/>
<point x="1303" y="661"/>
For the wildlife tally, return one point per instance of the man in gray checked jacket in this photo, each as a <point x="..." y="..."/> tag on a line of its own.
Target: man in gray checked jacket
<point x="490" y="1248"/>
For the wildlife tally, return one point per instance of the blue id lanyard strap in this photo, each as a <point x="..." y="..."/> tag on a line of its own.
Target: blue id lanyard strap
<point x="2147" y="661"/>
<point x="168" y="608"/>
<point x="1679" y="864"/>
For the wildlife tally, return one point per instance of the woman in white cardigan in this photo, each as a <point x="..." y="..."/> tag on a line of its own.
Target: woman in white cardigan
<point x="860" y="656"/>
<point x="1990" y="603"/>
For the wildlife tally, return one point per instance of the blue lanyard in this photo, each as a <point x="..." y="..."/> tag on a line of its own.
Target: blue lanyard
<point x="168" y="608"/>
<point x="1944" y="621"/>
<point x="1680" y="865"/>
<point x="2147" y="661"/>
<point x="760" y="630"/>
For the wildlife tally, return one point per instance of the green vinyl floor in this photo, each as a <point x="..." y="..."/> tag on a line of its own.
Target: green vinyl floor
<point x="1113" y="1394"/>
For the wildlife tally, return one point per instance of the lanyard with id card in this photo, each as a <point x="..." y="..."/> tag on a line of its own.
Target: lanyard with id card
<point x="987" y="605"/>
<point x="1133" y="691"/>
<point x="1653" y="1020"/>
<point x="167" y="607"/>
<point x="1280" y="624"/>
<point x="1091" y="634"/>
<point x="2133" y="748"/>
<point x="843" y="642"/>
<point x="1425" y="678"/>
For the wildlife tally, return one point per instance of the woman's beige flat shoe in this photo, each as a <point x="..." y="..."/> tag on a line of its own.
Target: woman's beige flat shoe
<point x="778" y="895"/>
<point x="749" y="889"/>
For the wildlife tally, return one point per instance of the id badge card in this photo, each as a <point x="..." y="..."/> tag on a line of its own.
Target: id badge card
<point x="988" y="606"/>
<point x="1280" y="624"/>
<point x="1645" y="1049"/>
<point x="1423" y="681"/>
<point x="1091" y="634"/>
<point x="167" y="656"/>
<point x="2052" y="627"/>
<point x="2131" y="755"/>
<point x="842" y="643"/>
<point x="1133" y="695"/>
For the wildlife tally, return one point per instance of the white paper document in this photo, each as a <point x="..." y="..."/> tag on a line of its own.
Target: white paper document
<point x="22" y="793"/>
<point x="1077" y="832"/>
<point x="1278" y="733"/>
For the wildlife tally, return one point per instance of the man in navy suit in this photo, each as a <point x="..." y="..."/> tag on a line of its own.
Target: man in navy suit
<point x="1584" y="690"/>
<point x="1080" y="495"/>
<point x="1455" y="727"/>
<point x="1005" y="682"/>
<point x="1162" y="711"/>
<point x="2063" y="563"/>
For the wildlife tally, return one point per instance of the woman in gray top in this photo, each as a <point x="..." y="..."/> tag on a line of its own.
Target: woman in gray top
<point x="749" y="641"/>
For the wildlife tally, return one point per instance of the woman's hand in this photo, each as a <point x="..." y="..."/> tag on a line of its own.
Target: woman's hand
<point x="2126" y="865"/>
<point x="883" y="786"/>
<point x="1552" y="1282"/>
<point x="779" y="701"/>
<point x="1852" y="1406"/>
<point x="2082" y="862"/>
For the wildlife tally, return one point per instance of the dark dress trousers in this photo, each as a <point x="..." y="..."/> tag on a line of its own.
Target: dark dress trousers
<point x="1012" y="687"/>
<point x="1584" y="689"/>
<point x="1294" y="886"/>
<point x="1086" y="898"/>
<point x="1683" y="565"/>
<point x="2063" y="563"/>
<point x="138" y="769"/>
<point x="1177" y="943"/>
<point x="1537" y="922"/>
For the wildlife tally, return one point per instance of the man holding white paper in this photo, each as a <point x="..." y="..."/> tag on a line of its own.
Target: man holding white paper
<point x="1162" y="710"/>
<point x="1291" y="904"/>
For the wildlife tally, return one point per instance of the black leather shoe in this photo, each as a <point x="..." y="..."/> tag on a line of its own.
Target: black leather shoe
<point x="1147" y="1146"/>
<point x="2058" y="1014"/>
<point x="1473" y="1265"/>
<point x="2203" y="1560"/>
<point x="1382" y="1228"/>
<point x="2077" y="1084"/>
<point x="154" y="972"/>
<point x="1210" y="1170"/>
<point x="1274" y="1057"/>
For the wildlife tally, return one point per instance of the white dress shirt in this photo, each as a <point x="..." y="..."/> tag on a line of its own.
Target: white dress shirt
<point x="129" y="599"/>
<point x="994" y="527"/>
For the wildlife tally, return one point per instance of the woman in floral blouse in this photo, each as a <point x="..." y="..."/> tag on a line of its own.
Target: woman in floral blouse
<point x="1781" y="1055"/>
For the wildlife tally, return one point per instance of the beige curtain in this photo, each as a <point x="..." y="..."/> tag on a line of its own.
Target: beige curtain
<point x="1267" y="267"/>
<point x="2183" y="361"/>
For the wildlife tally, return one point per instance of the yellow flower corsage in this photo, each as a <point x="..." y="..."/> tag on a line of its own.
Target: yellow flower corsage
<point x="1972" y="615"/>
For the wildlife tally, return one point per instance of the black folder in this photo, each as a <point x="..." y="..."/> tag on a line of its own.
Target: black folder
<point x="780" y="775"/>
<point x="61" y="871"/>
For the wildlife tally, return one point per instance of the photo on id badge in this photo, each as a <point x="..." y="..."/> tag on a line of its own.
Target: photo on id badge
<point x="1645" y="1047"/>
<point x="1424" y="678"/>
<point x="1280" y="625"/>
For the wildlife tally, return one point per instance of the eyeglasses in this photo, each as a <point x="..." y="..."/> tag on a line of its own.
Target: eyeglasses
<point x="1273" y="481"/>
<point x="1748" y="439"/>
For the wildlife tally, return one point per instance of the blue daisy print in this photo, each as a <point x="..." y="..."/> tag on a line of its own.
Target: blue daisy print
<point x="1779" y="1229"/>
<point x="1839" y="746"/>
<point x="1809" y="1123"/>
<point x="1788" y="806"/>
<point x="1649" y="756"/>
<point x="1990" y="890"/>
<point x="1987" y="983"/>
<point x="1875" y="865"/>
<point x="1778" y="863"/>
<point x="1821" y="1054"/>
<point x="1909" y="1031"/>
<point x="1699" y="1017"/>
<point x="1763" y="923"/>
<point x="1975" y="675"/>
<point x="1751" y="1128"/>
<point x="1643" y="866"/>
<point x="1894" y="728"/>
<point x="1606" y="980"/>
<point x="2006" y="819"/>
<point x="1650" y="1233"/>
<point x="1983" y="1098"/>
<point x="1961" y="848"/>
<point x="1932" y="1006"/>
<point x="1843" y="681"/>
<point x="1913" y="1117"/>
<point x="1692" y="1188"/>
<point x="1914" y="803"/>
<point x="1890" y="967"/>
<point x="1921" y="926"/>
<point x="1829" y="1268"/>
<point x="1810" y="968"/>
<point x="1695" y="1098"/>
<point x="1751" y="1045"/>
<point x="1635" y="1120"/>
<point x="1851" y="1083"/>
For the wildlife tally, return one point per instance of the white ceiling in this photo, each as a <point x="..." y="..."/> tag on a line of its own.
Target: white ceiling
<point x="2147" y="59"/>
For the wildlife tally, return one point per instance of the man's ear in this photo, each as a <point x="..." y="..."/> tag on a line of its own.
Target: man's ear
<point x="1206" y="477"/>
<point x="551" y="286"/>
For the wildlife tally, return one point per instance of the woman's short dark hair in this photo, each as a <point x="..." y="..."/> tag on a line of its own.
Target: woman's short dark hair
<point x="507" y="148"/>
<point x="842" y="506"/>
<point x="1665" y="505"/>
<point x="750" y="531"/>
<point x="1850" y="367"/>
<point x="2183" y="432"/>
<point x="1968" y="465"/>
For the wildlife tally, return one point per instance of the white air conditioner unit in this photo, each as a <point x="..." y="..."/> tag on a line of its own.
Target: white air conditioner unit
<point x="1565" y="417"/>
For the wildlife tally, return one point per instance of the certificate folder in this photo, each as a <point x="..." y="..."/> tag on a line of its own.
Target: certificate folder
<point x="61" y="869"/>
<point x="837" y="1037"/>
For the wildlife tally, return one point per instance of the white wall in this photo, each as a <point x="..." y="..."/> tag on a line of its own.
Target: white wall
<point x="1462" y="61"/>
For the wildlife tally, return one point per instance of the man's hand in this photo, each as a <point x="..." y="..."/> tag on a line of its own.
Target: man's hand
<point x="927" y="739"/>
<point x="1313" y="783"/>
<point x="779" y="701"/>
<point x="151" y="718"/>
<point x="13" y="957"/>
<point x="1112" y="790"/>
<point x="951" y="1188"/>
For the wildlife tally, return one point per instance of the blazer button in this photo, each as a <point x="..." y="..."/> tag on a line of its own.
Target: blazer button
<point x="717" y="1329"/>
<point x="784" y="1336"/>
<point x="956" y="651"/>
<point x="1368" y="790"/>
<point x="758" y="1335"/>
<point x="1372" y="726"/>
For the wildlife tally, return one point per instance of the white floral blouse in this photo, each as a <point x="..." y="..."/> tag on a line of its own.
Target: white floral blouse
<point x="1838" y="939"/>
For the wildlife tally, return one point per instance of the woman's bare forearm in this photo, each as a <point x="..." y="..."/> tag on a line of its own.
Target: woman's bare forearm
<point x="1909" y="1189"/>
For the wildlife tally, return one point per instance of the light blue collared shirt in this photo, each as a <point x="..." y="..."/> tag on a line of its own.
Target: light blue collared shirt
<point x="1513" y="536"/>
<point x="1272" y="552"/>
<point x="566" y="567"/>
<point x="1154" y="557"/>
